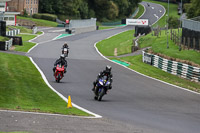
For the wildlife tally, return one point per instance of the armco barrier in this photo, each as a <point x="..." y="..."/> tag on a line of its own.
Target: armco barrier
<point x="173" y="67"/>
<point x="13" y="32"/>
<point x="6" y="45"/>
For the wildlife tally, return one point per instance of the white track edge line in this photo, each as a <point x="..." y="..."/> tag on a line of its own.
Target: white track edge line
<point x="144" y="10"/>
<point x="47" y="114"/>
<point x="162" y="15"/>
<point x="61" y="37"/>
<point x="64" y="98"/>
<point x="36" y="43"/>
<point x="56" y="37"/>
<point x="59" y="94"/>
<point x="141" y="73"/>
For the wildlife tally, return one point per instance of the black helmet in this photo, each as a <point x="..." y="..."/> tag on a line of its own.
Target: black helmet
<point x="65" y="45"/>
<point x="108" y="68"/>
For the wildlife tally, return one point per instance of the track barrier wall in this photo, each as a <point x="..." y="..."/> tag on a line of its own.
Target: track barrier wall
<point x="176" y="68"/>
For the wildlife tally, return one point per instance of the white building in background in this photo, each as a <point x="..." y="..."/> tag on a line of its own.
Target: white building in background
<point x="9" y="17"/>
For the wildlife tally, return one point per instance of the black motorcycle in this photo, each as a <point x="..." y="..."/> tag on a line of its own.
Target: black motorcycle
<point x="101" y="88"/>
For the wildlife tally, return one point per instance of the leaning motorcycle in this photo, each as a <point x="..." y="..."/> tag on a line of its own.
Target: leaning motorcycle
<point x="59" y="72"/>
<point x="101" y="88"/>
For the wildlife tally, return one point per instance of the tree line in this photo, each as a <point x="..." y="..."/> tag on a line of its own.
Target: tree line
<point x="101" y="9"/>
<point x="192" y="8"/>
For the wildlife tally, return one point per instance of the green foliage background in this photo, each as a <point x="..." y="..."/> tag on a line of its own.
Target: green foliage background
<point x="101" y="9"/>
<point x="193" y="8"/>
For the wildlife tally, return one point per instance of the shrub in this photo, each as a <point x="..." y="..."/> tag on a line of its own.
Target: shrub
<point x="38" y="16"/>
<point x="174" y="22"/>
<point x="45" y="16"/>
<point x="25" y="14"/>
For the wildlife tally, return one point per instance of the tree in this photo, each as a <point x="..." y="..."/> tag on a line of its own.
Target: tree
<point x="101" y="9"/>
<point x="84" y="10"/>
<point x="122" y="6"/>
<point x="113" y="11"/>
<point x="193" y="9"/>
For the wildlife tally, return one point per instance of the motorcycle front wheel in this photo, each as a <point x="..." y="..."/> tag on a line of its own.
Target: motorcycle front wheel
<point x="58" y="78"/>
<point x="101" y="93"/>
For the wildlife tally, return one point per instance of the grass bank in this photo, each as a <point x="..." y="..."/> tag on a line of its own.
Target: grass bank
<point x="140" y="12"/>
<point x="25" y="39"/>
<point x="172" y="11"/>
<point x="159" y="45"/>
<point x="40" y="22"/>
<point x="3" y="39"/>
<point x="22" y="29"/>
<point x="26" y="45"/>
<point x="121" y="41"/>
<point x="22" y="88"/>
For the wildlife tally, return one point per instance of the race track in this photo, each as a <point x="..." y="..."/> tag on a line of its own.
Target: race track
<point x="152" y="106"/>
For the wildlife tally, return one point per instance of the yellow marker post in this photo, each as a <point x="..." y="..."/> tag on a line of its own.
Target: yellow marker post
<point x="69" y="104"/>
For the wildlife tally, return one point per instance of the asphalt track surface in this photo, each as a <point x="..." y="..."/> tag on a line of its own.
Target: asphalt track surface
<point x="136" y="100"/>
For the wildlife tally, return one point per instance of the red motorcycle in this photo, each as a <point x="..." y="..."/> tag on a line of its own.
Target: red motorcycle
<point x="59" y="73"/>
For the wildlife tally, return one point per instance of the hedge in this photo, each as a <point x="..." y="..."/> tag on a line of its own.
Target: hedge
<point x="45" y="16"/>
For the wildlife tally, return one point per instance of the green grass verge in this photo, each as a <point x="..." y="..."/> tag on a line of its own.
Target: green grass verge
<point x="159" y="45"/>
<point x="106" y="47"/>
<point x="26" y="45"/>
<point x="172" y="11"/>
<point x="3" y="39"/>
<point x="40" y="22"/>
<point x="22" y="29"/>
<point x="106" y="27"/>
<point x="122" y="42"/>
<point x="139" y="66"/>
<point x="39" y="33"/>
<point x="140" y="12"/>
<point x="22" y="88"/>
<point x="27" y="37"/>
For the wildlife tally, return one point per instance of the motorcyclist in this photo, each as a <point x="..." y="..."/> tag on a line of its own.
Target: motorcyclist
<point x="65" y="46"/>
<point x="106" y="72"/>
<point x="61" y="61"/>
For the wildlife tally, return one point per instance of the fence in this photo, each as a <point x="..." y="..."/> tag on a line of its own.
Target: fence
<point x="13" y="32"/>
<point x="175" y="37"/>
<point x="191" y="24"/>
<point x="191" y="33"/>
<point x="191" y="39"/>
<point x="173" y="67"/>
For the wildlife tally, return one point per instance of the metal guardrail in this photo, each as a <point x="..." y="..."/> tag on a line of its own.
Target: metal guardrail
<point x="191" y="24"/>
<point x="173" y="67"/>
<point x="59" y="21"/>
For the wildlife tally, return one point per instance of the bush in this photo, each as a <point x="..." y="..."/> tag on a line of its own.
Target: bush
<point x="45" y="16"/>
<point x="173" y="22"/>
<point x="25" y="14"/>
<point x="38" y="16"/>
